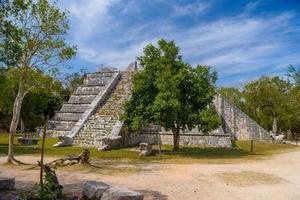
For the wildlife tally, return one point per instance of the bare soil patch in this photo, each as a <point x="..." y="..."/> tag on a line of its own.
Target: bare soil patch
<point x="275" y="178"/>
<point x="249" y="178"/>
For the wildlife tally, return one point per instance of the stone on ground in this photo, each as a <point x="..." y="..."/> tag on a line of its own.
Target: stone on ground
<point x="121" y="194"/>
<point x="7" y="183"/>
<point x="94" y="189"/>
<point x="145" y="149"/>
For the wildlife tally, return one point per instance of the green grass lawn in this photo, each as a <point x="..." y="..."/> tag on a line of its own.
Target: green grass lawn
<point x="186" y="154"/>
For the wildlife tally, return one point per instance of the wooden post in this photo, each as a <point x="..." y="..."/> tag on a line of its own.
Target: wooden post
<point x="251" y="146"/>
<point x="42" y="153"/>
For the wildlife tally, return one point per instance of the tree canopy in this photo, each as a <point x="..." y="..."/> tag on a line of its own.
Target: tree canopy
<point x="170" y="93"/>
<point x="32" y="41"/>
<point x="270" y="100"/>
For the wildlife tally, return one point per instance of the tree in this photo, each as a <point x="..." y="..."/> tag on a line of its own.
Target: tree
<point x="266" y="101"/>
<point x="232" y="94"/>
<point x="32" y="42"/>
<point x="170" y="93"/>
<point x="294" y="74"/>
<point x="34" y="103"/>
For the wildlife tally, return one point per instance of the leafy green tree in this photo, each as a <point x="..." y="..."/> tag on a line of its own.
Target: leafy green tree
<point x="266" y="100"/>
<point x="32" y="42"/>
<point x="35" y="102"/>
<point x="294" y="74"/>
<point x="170" y="93"/>
<point x="233" y="94"/>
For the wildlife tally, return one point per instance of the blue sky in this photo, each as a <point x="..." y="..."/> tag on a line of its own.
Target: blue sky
<point x="240" y="39"/>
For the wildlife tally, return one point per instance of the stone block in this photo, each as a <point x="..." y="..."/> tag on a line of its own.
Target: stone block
<point x="145" y="149"/>
<point x="94" y="189"/>
<point x="121" y="194"/>
<point x="7" y="183"/>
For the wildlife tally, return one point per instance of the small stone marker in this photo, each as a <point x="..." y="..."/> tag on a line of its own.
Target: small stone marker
<point x="121" y="194"/>
<point x="145" y="149"/>
<point x="7" y="183"/>
<point x="94" y="189"/>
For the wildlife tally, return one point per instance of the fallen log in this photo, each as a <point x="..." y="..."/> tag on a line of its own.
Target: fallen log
<point x="82" y="158"/>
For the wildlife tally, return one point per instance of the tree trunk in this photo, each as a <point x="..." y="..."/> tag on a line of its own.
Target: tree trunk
<point x="176" y="138"/>
<point x="22" y="126"/>
<point x="14" y="122"/>
<point x="42" y="154"/>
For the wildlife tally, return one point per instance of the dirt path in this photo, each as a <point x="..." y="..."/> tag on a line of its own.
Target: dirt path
<point x="275" y="178"/>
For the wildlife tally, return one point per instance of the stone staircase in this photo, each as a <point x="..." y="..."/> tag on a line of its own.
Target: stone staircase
<point x="236" y="123"/>
<point x="103" y="127"/>
<point x="73" y="114"/>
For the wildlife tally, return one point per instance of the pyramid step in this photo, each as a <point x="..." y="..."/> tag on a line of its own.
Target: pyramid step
<point x="97" y="81"/>
<point x="70" y="117"/>
<point x="90" y="90"/>
<point x="56" y="133"/>
<point x="81" y="99"/>
<point x="100" y="74"/>
<point x="61" y="125"/>
<point x="75" y="108"/>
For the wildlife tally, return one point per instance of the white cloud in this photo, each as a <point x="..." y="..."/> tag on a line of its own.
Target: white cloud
<point x="235" y="45"/>
<point x="90" y="14"/>
<point x="196" y="8"/>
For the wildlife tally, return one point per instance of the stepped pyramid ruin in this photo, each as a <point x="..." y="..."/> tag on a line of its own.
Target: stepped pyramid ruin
<point x="91" y="118"/>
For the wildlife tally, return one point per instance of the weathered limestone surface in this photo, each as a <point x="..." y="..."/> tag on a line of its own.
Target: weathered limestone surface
<point x="91" y="118"/>
<point x="94" y="189"/>
<point x="223" y="141"/>
<point x="237" y="123"/>
<point x="102" y="129"/>
<point x="145" y="149"/>
<point x="74" y="113"/>
<point x="7" y="183"/>
<point x="121" y="194"/>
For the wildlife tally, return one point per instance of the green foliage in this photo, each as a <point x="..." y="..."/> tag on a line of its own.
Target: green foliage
<point x="270" y="98"/>
<point x="32" y="35"/>
<point x="294" y="74"/>
<point x="50" y="189"/>
<point x="265" y="100"/>
<point x="233" y="94"/>
<point x="170" y="93"/>
<point x="186" y="153"/>
<point x="73" y="81"/>
<point x="37" y="103"/>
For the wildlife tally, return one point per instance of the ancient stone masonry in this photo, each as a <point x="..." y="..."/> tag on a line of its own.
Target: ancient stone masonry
<point x="91" y="118"/>
<point x="236" y="123"/>
<point x="69" y="120"/>
<point x="102" y="128"/>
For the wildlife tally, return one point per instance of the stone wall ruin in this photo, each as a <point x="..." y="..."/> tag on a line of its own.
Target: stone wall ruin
<point x="91" y="118"/>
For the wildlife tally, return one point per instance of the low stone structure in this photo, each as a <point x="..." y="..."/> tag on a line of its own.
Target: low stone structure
<point x="221" y="141"/>
<point x="95" y="190"/>
<point x="7" y="183"/>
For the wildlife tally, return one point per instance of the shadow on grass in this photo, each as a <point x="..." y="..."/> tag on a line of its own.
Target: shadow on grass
<point x="208" y="153"/>
<point x="20" y="149"/>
